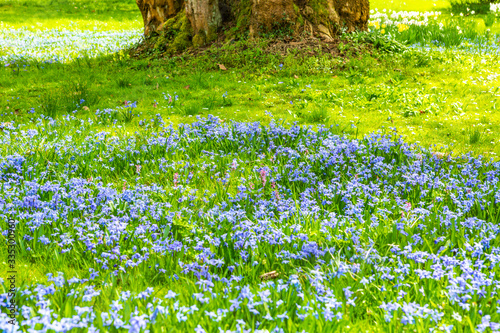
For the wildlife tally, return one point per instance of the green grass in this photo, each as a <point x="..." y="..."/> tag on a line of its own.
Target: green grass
<point x="429" y="98"/>
<point x="410" y="5"/>
<point x="74" y="14"/>
<point x="448" y="100"/>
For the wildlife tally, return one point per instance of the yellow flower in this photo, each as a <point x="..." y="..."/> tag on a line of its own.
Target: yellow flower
<point x="383" y="25"/>
<point x="382" y="31"/>
<point x="402" y="27"/>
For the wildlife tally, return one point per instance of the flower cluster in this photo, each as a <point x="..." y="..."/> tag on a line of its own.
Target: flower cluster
<point x="62" y="45"/>
<point x="495" y="8"/>
<point x="397" y="18"/>
<point x="247" y="227"/>
<point x="434" y="30"/>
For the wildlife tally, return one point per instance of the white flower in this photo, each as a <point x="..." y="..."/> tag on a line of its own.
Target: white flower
<point x="457" y="316"/>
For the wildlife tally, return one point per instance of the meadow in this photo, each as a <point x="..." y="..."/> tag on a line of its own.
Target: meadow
<point x="244" y="190"/>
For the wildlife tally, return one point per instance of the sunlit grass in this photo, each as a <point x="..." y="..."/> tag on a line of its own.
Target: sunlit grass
<point x="410" y="5"/>
<point x="431" y="100"/>
<point x="73" y="14"/>
<point x="74" y="25"/>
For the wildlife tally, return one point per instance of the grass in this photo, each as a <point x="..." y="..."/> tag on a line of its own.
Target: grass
<point x="420" y="5"/>
<point x="412" y="92"/>
<point x="77" y="14"/>
<point x="109" y="113"/>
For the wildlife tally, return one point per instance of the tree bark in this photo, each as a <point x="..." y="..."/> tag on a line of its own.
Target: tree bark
<point x="199" y="21"/>
<point x="156" y="12"/>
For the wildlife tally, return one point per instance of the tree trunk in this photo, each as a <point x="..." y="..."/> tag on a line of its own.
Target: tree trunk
<point x="156" y="12"/>
<point x="183" y="23"/>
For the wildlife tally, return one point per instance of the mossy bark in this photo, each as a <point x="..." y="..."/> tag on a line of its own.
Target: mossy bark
<point x="184" y="23"/>
<point x="156" y="12"/>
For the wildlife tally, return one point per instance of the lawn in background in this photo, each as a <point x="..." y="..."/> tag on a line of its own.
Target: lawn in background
<point x="79" y="14"/>
<point x="433" y="98"/>
<point x="420" y="5"/>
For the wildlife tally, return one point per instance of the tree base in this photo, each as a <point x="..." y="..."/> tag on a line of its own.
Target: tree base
<point x="302" y="45"/>
<point x="180" y="24"/>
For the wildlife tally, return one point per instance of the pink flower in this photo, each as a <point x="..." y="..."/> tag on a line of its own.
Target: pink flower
<point x="263" y="177"/>
<point x="407" y="206"/>
<point x="176" y="179"/>
<point x="138" y="169"/>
